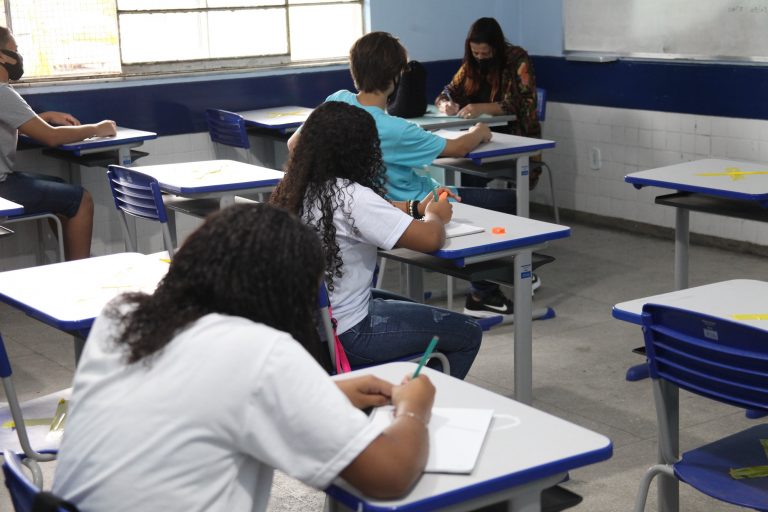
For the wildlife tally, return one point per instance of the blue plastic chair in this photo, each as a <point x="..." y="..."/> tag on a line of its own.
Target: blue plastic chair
<point x="725" y="361"/>
<point x="228" y="129"/>
<point x="25" y="494"/>
<point x="328" y="329"/>
<point x="18" y="417"/>
<point x="139" y="195"/>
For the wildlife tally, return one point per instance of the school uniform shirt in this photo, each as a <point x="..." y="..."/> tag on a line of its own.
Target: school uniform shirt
<point x="13" y="113"/>
<point x="405" y="148"/>
<point x="203" y="426"/>
<point x="365" y="222"/>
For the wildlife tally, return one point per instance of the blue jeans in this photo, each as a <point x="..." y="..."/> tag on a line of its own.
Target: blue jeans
<point x="498" y="200"/>
<point x="42" y="193"/>
<point x="396" y="329"/>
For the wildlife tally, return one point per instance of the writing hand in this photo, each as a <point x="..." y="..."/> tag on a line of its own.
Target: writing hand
<point x="416" y="396"/>
<point x="366" y="391"/>
<point x="471" y="111"/>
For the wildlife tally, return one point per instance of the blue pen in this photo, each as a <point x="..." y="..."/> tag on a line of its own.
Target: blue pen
<point x="425" y="357"/>
<point x="434" y="194"/>
<point x="447" y="94"/>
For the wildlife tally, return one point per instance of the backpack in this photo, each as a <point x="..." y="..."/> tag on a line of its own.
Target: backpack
<point x="410" y="96"/>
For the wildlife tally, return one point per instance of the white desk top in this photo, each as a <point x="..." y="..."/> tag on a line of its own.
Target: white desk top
<point x="744" y="300"/>
<point x="123" y="137"/>
<point x="434" y="120"/>
<point x="210" y="176"/>
<point x="523" y="445"/>
<point x="10" y="208"/>
<point x="725" y="178"/>
<point x="70" y="295"/>
<point x="276" y="118"/>
<point x="501" y="146"/>
<point x="519" y="232"/>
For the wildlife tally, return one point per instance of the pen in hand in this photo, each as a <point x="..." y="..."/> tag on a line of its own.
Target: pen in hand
<point x="425" y="357"/>
<point x="434" y="194"/>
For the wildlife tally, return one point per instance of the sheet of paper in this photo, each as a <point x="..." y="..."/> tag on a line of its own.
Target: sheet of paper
<point x="454" y="228"/>
<point x="456" y="436"/>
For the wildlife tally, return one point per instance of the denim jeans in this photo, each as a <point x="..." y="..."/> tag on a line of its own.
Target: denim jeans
<point x="498" y="200"/>
<point x="395" y="329"/>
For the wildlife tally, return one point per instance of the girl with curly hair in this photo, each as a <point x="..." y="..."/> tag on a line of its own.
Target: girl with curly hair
<point x="335" y="182"/>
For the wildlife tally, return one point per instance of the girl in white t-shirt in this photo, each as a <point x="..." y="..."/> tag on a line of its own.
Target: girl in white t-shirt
<point x="187" y="399"/>
<point x="335" y="181"/>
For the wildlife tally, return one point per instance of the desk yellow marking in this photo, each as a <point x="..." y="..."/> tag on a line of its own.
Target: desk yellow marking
<point x="752" y="471"/>
<point x="274" y="115"/>
<point x="750" y="316"/>
<point x="34" y="422"/>
<point x="200" y="175"/>
<point x="735" y="173"/>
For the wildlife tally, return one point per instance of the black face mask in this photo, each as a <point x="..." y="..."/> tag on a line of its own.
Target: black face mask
<point x="484" y="65"/>
<point x="15" y="71"/>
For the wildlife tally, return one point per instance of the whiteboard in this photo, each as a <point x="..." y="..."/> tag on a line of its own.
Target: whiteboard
<point x="683" y="29"/>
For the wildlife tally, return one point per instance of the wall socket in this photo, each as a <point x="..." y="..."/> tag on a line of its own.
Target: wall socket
<point x="595" y="159"/>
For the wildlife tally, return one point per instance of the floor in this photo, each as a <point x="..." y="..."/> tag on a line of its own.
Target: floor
<point x="580" y="358"/>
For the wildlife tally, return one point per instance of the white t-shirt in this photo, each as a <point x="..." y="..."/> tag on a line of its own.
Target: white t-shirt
<point x="13" y="113"/>
<point x="204" y="425"/>
<point x="363" y="224"/>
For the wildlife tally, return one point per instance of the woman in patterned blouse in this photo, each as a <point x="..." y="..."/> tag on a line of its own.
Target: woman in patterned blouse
<point x="495" y="78"/>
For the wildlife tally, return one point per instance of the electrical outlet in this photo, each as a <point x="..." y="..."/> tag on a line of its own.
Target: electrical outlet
<point x="595" y="159"/>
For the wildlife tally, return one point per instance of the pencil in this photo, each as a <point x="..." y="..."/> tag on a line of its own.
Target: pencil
<point x="425" y="357"/>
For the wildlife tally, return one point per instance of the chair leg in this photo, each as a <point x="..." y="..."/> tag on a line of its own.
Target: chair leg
<point x="645" y="483"/>
<point x="130" y="243"/>
<point x="449" y="292"/>
<point x="552" y="192"/>
<point x="380" y="276"/>
<point x="59" y="237"/>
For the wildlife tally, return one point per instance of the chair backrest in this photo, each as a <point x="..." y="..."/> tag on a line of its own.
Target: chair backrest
<point x="541" y="103"/>
<point x="720" y="359"/>
<point x="136" y="193"/>
<point x="20" y="487"/>
<point x="227" y="128"/>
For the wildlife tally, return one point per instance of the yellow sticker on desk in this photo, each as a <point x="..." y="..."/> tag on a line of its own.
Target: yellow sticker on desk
<point x="273" y="115"/>
<point x="735" y="173"/>
<point x="750" y="316"/>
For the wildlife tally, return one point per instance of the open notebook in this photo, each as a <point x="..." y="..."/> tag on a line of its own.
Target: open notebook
<point x="455" y="436"/>
<point x="454" y="228"/>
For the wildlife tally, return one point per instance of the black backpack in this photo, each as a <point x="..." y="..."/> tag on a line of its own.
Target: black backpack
<point x="410" y="96"/>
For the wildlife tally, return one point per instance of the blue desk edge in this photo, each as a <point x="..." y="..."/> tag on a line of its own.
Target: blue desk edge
<point x="500" y="246"/>
<point x="644" y="182"/>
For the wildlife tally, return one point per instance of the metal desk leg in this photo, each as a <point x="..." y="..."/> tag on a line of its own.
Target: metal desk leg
<point x="669" y="487"/>
<point x="682" y="230"/>
<point x="523" y="332"/>
<point x="415" y="283"/>
<point x="522" y="187"/>
<point x="124" y="156"/>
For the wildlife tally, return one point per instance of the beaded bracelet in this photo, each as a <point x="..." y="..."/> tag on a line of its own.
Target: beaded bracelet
<point x="409" y="414"/>
<point x="414" y="209"/>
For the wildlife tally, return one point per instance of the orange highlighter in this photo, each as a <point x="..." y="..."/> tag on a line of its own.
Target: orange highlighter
<point x="443" y="195"/>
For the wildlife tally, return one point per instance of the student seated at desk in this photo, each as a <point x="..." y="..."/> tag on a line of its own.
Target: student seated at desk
<point x="495" y="78"/>
<point x="376" y="62"/>
<point x="189" y="398"/>
<point x="38" y="193"/>
<point x="335" y="182"/>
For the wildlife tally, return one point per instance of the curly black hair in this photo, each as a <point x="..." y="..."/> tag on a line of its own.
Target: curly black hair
<point x="253" y="261"/>
<point x="337" y="141"/>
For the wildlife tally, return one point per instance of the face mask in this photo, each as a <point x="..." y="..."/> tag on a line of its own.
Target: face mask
<point x="484" y="65"/>
<point x="391" y="97"/>
<point x="15" y="71"/>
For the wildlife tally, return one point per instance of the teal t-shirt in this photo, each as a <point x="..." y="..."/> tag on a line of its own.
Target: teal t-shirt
<point x="405" y="147"/>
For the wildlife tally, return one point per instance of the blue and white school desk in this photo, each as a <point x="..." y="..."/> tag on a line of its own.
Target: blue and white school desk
<point x="213" y="178"/>
<point x="493" y="160"/>
<point x="433" y="119"/>
<point x="10" y="208"/>
<point x="721" y="187"/>
<point x="743" y="300"/>
<point x="525" y="452"/>
<point x="284" y="120"/>
<point x="69" y="295"/>
<point x="486" y="255"/>
<point x="122" y="142"/>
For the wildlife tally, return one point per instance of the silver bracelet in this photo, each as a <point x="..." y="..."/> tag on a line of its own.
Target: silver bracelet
<point x="409" y="414"/>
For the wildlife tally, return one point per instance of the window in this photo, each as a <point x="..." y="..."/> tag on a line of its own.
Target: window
<point x="91" y="38"/>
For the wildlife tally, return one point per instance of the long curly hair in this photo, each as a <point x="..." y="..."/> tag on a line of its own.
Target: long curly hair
<point x="485" y="31"/>
<point x="253" y="261"/>
<point x="337" y="141"/>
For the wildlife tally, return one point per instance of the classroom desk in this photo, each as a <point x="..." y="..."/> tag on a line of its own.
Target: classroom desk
<point x="502" y="258"/>
<point x="8" y="208"/>
<point x="492" y="160"/>
<point x="721" y="187"/>
<point x="213" y="178"/>
<point x="284" y="120"/>
<point x="434" y="120"/>
<point x="69" y="296"/>
<point x="722" y="300"/>
<point x="525" y="452"/>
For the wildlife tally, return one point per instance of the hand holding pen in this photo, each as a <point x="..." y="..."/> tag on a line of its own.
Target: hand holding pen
<point x="436" y="202"/>
<point x="448" y="107"/>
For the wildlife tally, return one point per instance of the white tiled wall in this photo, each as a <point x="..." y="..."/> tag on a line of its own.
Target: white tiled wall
<point x="633" y="140"/>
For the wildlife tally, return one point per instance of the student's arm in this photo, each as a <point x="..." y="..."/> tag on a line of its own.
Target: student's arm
<point x="41" y="131"/>
<point x="392" y="463"/>
<point x="460" y="146"/>
<point x="59" y="118"/>
<point x="292" y="140"/>
<point x="366" y="391"/>
<point x="427" y="234"/>
<point x="474" y="110"/>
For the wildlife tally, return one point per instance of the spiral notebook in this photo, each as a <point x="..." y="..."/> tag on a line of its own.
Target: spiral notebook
<point x="456" y="436"/>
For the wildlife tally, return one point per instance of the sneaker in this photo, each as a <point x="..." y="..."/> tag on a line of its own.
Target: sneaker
<point x="494" y="305"/>
<point x="535" y="283"/>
